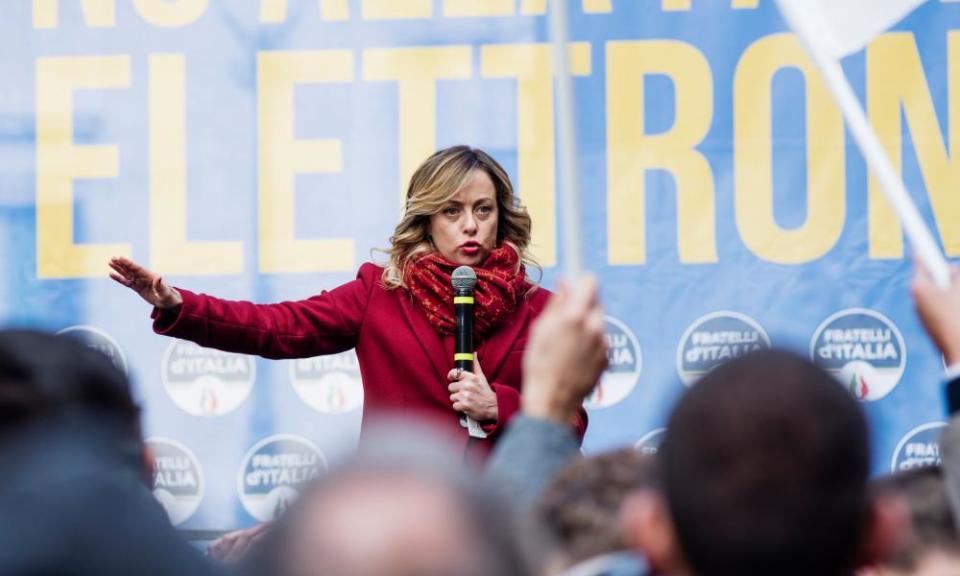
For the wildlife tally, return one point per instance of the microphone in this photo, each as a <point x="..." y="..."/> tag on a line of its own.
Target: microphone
<point x="463" y="280"/>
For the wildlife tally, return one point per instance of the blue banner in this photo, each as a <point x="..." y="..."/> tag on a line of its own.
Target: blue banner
<point x="258" y="150"/>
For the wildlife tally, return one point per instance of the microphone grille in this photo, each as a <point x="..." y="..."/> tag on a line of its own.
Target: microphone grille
<point x="464" y="278"/>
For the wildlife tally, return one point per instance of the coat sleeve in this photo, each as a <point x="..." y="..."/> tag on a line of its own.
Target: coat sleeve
<point x="952" y="396"/>
<point x="527" y="458"/>
<point x="327" y="323"/>
<point x="508" y="405"/>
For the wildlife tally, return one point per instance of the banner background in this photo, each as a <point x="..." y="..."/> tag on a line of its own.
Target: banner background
<point x="210" y="187"/>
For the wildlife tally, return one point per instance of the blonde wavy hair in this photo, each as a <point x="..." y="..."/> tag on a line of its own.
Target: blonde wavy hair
<point x="433" y="184"/>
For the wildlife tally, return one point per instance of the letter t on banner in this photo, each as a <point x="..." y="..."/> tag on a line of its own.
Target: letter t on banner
<point x="832" y="29"/>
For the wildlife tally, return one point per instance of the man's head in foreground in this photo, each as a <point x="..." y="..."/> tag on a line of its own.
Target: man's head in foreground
<point x="401" y="509"/>
<point x="764" y="471"/>
<point x="54" y="378"/>
<point x="581" y="507"/>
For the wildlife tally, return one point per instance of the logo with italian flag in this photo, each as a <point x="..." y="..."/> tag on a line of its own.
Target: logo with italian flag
<point x="863" y="349"/>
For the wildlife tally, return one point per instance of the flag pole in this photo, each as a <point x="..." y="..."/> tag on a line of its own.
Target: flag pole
<point x="567" y="141"/>
<point x="866" y="138"/>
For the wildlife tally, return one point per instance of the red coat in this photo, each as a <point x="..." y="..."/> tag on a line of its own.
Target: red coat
<point x="403" y="360"/>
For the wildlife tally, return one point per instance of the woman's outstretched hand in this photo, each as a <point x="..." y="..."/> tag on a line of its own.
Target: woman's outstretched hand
<point x="146" y="284"/>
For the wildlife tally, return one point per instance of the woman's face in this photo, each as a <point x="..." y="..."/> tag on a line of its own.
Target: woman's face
<point x="465" y="229"/>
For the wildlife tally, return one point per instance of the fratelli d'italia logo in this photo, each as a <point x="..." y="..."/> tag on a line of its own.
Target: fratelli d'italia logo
<point x="650" y="443"/>
<point x="625" y="361"/>
<point x="717" y="338"/>
<point x="177" y="478"/>
<point x="919" y="447"/>
<point x="863" y="349"/>
<point x="329" y="384"/>
<point x="204" y="381"/>
<point x="100" y="341"/>
<point x="273" y="471"/>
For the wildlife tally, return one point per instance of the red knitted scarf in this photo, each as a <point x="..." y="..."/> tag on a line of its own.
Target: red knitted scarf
<point x="501" y="283"/>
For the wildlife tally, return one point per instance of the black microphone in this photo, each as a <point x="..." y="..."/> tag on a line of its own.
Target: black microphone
<point x="463" y="280"/>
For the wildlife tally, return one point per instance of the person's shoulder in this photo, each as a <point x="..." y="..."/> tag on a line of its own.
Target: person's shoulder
<point x="370" y="269"/>
<point x="538" y="296"/>
<point x="370" y="274"/>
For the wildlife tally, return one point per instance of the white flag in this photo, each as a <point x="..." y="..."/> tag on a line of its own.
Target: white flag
<point x="832" y="29"/>
<point x="842" y="27"/>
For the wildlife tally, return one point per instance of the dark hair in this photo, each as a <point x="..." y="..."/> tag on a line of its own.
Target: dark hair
<point x="581" y="506"/>
<point x="765" y="464"/>
<point x="44" y="375"/>
<point x="932" y="526"/>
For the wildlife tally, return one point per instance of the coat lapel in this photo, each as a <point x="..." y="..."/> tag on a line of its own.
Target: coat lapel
<point x="502" y="342"/>
<point x="426" y="335"/>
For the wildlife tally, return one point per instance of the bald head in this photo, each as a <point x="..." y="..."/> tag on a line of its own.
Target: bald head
<point x="402" y="506"/>
<point x="373" y="526"/>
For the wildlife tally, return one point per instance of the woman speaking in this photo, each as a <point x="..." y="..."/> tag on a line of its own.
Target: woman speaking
<point x="460" y="210"/>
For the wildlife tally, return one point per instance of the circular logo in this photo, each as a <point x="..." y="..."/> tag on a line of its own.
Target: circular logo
<point x="919" y="447"/>
<point x="204" y="381"/>
<point x="329" y="384"/>
<point x="177" y="478"/>
<point x="650" y="443"/>
<point x="863" y="349"/>
<point x="625" y="361"/>
<point x="273" y="472"/>
<point x="100" y="341"/>
<point x="717" y="338"/>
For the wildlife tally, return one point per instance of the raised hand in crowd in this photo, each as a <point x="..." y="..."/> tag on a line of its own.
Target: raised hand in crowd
<point x="939" y="310"/>
<point x="566" y="353"/>
<point x="565" y="356"/>
<point x="148" y="285"/>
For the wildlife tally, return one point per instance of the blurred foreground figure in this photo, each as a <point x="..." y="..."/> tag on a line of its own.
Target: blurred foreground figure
<point x="764" y="471"/>
<point x="402" y="506"/>
<point x="582" y="507"/>
<point x="930" y="545"/>
<point x="75" y="497"/>
<point x="939" y="310"/>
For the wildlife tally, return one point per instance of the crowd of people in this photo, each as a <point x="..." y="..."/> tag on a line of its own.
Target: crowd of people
<point x="764" y="470"/>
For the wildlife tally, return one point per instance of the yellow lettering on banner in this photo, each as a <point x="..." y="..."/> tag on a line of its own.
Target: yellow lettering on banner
<point x="171" y="13"/>
<point x="477" y="8"/>
<point x="675" y="5"/>
<point x="528" y="7"/>
<point x="532" y="66"/>
<point x="170" y="251"/>
<point x="632" y="152"/>
<point x="275" y="11"/>
<point x="416" y="71"/>
<point x="396" y="9"/>
<point x="744" y="4"/>
<point x="597" y="6"/>
<point x="534" y="7"/>
<point x="60" y="162"/>
<point x="282" y="156"/>
<point x="895" y="81"/>
<point x="753" y="153"/>
<point x="97" y="13"/>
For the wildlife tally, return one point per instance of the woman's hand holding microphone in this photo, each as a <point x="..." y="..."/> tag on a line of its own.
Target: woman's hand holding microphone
<point x="471" y="394"/>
